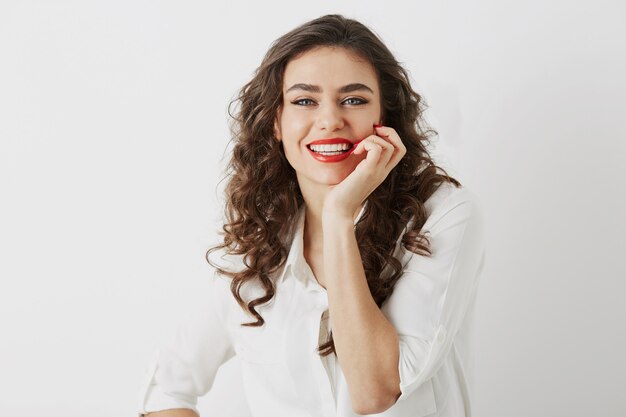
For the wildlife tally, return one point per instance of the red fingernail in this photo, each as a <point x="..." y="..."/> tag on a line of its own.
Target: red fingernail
<point x="375" y="125"/>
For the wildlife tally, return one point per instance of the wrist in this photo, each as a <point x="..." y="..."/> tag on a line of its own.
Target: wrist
<point x="336" y="211"/>
<point x="336" y="216"/>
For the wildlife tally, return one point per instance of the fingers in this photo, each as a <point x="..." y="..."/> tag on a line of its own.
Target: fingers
<point x="385" y="148"/>
<point x="378" y="149"/>
<point x="395" y="141"/>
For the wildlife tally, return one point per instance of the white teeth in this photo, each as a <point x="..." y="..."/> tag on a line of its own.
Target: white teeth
<point x="330" y="148"/>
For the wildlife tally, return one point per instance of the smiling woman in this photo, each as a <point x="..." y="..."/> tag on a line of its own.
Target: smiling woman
<point x="331" y="90"/>
<point x="355" y="256"/>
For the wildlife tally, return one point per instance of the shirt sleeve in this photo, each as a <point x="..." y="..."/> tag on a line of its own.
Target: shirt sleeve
<point x="431" y="298"/>
<point x="185" y="365"/>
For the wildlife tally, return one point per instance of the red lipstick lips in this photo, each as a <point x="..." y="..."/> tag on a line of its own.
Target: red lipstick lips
<point x="332" y="158"/>
<point x="330" y="141"/>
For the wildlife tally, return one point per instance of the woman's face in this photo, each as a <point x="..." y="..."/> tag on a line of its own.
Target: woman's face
<point x="328" y="93"/>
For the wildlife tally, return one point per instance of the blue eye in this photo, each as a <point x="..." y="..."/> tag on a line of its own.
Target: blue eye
<point x="359" y="101"/>
<point x="352" y="101"/>
<point x="298" y="102"/>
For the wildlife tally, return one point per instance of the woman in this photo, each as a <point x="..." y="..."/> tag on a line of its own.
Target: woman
<point x="329" y="291"/>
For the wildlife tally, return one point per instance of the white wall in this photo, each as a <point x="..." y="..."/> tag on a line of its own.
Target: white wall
<point x="113" y="124"/>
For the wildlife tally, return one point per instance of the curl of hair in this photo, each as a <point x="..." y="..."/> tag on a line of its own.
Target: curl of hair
<point x="263" y="195"/>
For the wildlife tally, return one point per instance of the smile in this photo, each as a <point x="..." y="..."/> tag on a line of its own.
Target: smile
<point x="332" y="149"/>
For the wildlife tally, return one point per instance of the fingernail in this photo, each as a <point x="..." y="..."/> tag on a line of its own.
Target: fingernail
<point x="377" y="126"/>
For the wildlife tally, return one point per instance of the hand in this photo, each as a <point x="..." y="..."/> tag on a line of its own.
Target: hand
<point x="384" y="150"/>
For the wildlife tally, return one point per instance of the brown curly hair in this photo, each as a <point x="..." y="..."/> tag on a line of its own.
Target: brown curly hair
<point x="263" y="195"/>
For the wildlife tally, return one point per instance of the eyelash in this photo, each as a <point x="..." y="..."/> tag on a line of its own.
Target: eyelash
<point x="362" y="101"/>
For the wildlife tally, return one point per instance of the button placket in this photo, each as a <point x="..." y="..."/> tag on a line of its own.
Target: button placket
<point x="327" y="362"/>
<point x="322" y="373"/>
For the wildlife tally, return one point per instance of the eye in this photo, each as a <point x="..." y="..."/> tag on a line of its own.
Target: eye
<point x="300" y="102"/>
<point x="356" y="101"/>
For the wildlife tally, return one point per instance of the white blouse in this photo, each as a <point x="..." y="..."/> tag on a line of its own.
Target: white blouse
<point x="431" y="307"/>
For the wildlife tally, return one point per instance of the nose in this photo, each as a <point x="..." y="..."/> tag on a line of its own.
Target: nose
<point x="330" y="118"/>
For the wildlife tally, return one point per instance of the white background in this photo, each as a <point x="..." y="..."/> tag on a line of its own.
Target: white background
<point x="113" y="124"/>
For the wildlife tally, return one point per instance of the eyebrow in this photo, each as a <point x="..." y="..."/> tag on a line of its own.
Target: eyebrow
<point x="317" y="89"/>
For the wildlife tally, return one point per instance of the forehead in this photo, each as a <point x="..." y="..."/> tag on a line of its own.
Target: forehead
<point x="329" y="66"/>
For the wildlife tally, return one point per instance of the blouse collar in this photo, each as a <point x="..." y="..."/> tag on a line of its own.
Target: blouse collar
<point x="295" y="260"/>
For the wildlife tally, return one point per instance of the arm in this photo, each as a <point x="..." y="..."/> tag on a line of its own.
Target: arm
<point x="419" y="321"/>
<point x="432" y="298"/>
<point x="186" y="364"/>
<point x="366" y="342"/>
<point x="426" y="309"/>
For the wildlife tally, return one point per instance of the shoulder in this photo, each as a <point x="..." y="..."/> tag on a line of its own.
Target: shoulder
<point x="449" y="194"/>
<point x="453" y="210"/>
<point x="450" y="199"/>
<point x="226" y="261"/>
<point x="221" y="283"/>
<point x="457" y="219"/>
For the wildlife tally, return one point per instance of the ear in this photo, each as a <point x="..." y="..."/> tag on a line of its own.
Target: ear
<point x="277" y="132"/>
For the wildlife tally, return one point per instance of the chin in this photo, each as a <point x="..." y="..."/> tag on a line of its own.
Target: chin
<point x="331" y="180"/>
<point x="326" y="177"/>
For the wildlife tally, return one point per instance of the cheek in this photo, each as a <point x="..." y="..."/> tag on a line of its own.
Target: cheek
<point x="364" y="120"/>
<point x="286" y="116"/>
<point x="296" y="118"/>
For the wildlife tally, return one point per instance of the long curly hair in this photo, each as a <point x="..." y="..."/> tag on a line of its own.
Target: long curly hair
<point x="263" y="195"/>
